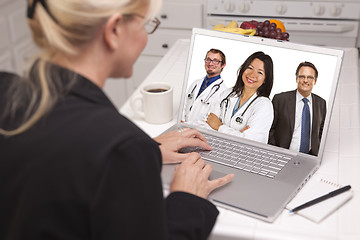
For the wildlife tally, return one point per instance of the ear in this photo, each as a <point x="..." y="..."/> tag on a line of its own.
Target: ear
<point x="223" y="66"/>
<point x="112" y="31"/>
<point x="315" y="80"/>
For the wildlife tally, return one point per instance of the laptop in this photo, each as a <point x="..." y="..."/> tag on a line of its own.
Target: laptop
<point x="255" y="192"/>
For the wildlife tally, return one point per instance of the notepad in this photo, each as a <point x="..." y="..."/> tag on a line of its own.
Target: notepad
<point x="314" y="189"/>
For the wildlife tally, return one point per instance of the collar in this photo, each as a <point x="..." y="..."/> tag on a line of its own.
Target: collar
<point x="212" y="79"/>
<point x="299" y="97"/>
<point x="251" y="99"/>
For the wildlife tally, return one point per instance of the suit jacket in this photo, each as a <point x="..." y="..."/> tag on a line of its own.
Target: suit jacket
<point x="282" y="129"/>
<point x="86" y="172"/>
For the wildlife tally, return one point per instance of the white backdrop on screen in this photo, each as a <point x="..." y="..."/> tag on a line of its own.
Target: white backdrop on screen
<point x="285" y="63"/>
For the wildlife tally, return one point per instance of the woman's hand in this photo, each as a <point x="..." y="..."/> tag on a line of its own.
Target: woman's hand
<point x="213" y="121"/>
<point x="172" y="142"/>
<point x="192" y="176"/>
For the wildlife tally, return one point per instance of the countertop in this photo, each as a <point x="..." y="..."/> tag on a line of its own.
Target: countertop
<point x="341" y="162"/>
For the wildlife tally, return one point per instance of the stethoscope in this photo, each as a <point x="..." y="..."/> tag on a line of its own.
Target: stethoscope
<point x="213" y="90"/>
<point x="240" y="119"/>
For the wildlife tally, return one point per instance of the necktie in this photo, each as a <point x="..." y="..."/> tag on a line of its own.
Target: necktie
<point x="206" y="82"/>
<point x="305" y="128"/>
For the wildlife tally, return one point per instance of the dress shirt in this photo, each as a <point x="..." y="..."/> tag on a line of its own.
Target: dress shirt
<point x="209" y="82"/>
<point x="295" y="142"/>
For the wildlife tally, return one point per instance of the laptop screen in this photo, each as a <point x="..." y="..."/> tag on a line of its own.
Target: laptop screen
<point x="286" y="58"/>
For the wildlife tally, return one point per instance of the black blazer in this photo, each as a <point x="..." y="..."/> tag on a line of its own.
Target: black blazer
<point x="86" y="172"/>
<point x="282" y="128"/>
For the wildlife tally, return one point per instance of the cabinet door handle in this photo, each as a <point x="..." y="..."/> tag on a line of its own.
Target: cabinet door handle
<point x="165" y="45"/>
<point x="163" y="16"/>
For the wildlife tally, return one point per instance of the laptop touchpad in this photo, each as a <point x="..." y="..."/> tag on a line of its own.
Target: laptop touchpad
<point x="216" y="174"/>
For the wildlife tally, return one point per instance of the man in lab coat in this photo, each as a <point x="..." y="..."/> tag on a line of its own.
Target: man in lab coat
<point x="287" y="130"/>
<point x="202" y="92"/>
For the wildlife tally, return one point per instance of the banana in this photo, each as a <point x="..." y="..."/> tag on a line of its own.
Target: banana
<point x="233" y="27"/>
<point x="221" y="27"/>
<point x="232" y="24"/>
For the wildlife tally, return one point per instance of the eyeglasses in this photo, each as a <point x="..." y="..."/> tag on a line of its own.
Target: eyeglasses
<point x="150" y="25"/>
<point x="215" y="62"/>
<point x="309" y="78"/>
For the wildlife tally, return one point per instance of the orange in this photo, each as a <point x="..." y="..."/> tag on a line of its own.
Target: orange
<point x="279" y="24"/>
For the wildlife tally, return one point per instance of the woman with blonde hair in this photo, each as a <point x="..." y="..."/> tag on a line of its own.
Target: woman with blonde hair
<point x="72" y="167"/>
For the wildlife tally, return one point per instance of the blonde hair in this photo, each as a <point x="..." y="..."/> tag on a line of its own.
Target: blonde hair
<point x="65" y="27"/>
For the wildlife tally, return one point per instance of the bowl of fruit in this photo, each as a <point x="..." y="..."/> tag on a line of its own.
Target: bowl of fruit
<point x="233" y="27"/>
<point x="272" y="28"/>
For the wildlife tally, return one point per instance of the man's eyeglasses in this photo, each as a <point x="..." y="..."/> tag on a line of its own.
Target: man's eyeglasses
<point x="309" y="78"/>
<point x="215" y="62"/>
<point x="150" y="25"/>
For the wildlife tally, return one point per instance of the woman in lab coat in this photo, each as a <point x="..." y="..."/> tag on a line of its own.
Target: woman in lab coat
<point x="245" y="110"/>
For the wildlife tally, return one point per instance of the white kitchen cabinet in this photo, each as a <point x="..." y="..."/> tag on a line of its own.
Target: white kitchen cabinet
<point x="177" y="20"/>
<point x="3" y="2"/>
<point x="6" y="62"/>
<point x="18" y="23"/>
<point x="24" y="54"/>
<point x="177" y="17"/>
<point x="181" y="14"/>
<point x="5" y="40"/>
<point x="16" y="45"/>
<point x="163" y="39"/>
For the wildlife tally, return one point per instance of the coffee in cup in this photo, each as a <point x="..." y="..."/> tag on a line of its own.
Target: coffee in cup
<point x="157" y="103"/>
<point x="157" y="90"/>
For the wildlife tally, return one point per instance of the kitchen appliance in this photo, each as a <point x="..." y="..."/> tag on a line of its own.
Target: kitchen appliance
<point x="319" y="22"/>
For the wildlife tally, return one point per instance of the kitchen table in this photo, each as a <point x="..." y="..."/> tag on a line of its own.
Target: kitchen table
<point x="341" y="161"/>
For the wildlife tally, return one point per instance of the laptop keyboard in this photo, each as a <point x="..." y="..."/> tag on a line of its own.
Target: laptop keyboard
<point x="243" y="157"/>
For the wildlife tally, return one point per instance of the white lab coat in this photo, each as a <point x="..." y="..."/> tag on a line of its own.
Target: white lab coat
<point x="259" y="116"/>
<point x="200" y="110"/>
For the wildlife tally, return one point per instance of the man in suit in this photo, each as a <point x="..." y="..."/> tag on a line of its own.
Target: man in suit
<point x="299" y="115"/>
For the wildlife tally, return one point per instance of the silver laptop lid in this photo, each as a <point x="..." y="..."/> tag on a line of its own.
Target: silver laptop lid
<point x="286" y="57"/>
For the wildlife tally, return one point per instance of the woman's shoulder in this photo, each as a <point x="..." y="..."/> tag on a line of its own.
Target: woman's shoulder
<point x="265" y="101"/>
<point x="101" y="122"/>
<point x="8" y="82"/>
<point x="7" y="77"/>
<point x="108" y="120"/>
<point x="97" y="132"/>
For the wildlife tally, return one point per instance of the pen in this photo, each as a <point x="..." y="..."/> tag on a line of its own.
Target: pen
<point x="322" y="198"/>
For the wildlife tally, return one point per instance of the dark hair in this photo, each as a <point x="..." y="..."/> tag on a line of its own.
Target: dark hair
<point x="265" y="89"/>
<point x="222" y="55"/>
<point x="306" y="64"/>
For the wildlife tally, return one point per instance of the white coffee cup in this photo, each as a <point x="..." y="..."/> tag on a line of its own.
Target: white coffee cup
<point x="156" y="101"/>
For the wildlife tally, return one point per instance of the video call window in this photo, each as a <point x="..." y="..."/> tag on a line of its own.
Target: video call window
<point x="285" y="62"/>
